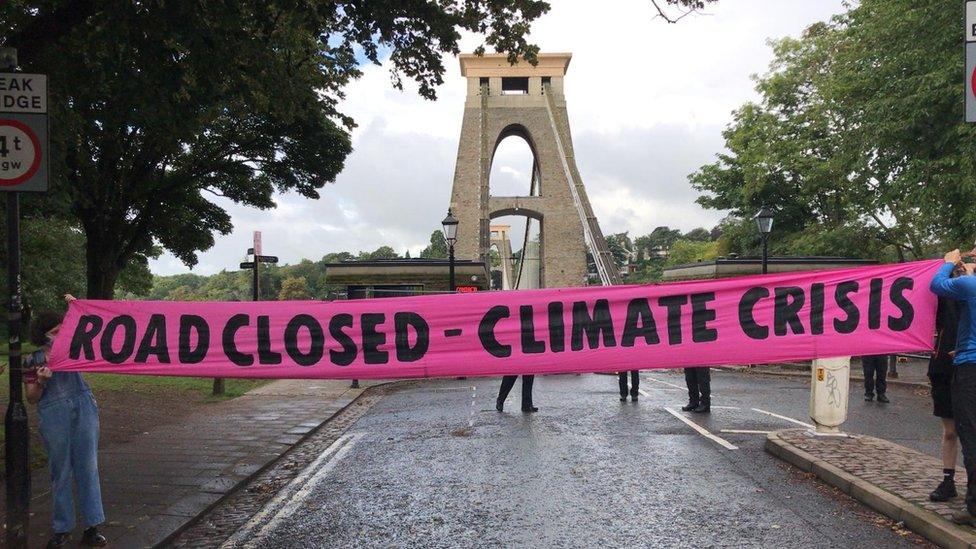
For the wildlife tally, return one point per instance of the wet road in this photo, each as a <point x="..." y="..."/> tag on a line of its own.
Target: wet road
<point x="434" y="465"/>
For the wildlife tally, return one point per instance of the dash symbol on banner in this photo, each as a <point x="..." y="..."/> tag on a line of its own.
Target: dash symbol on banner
<point x="452" y="333"/>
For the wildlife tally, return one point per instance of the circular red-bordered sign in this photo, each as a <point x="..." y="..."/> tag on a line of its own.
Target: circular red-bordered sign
<point x="972" y="82"/>
<point x="35" y="163"/>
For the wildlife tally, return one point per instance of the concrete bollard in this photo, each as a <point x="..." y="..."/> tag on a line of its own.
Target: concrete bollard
<point x="829" y="392"/>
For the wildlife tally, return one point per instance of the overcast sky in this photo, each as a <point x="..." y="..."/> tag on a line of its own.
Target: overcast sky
<point x="647" y="104"/>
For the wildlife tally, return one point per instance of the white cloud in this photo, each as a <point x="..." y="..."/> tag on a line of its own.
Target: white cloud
<point x="647" y="102"/>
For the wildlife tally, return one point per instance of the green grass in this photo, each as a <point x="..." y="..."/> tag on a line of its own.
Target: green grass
<point x="105" y="384"/>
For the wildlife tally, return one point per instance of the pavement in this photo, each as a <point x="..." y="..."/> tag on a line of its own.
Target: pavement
<point x="153" y="486"/>
<point x="889" y="478"/>
<point x="433" y="464"/>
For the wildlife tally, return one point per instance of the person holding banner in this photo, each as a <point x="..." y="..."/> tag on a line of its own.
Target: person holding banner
<point x="963" y="290"/>
<point x="634" y="384"/>
<point x="507" y="383"/>
<point x="699" y="381"/>
<point x="69" y="429"/>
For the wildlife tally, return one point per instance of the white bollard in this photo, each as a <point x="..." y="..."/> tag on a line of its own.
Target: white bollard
<point x="829" y="390"/>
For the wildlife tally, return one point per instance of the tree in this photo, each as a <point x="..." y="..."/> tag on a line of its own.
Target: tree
<point x="160" y="105"/>
<point x="294" y="289"/>
<point x="691" y="251"/>
<point x="383" y="252"/>
<point x="698" y="235"/>
<point x="857" y="140"/>
<point x="620" y="248"/>
<point x="437" y="249"/>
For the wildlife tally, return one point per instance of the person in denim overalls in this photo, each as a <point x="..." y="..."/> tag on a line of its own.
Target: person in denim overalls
<point x="69" y="428"/>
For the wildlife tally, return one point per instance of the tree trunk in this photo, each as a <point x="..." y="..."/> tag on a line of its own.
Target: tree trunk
<point x="102" y="269"/>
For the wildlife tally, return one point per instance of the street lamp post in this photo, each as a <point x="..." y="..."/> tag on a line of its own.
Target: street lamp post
<point x="764" y="220"/>
<point x="450" y="225"/>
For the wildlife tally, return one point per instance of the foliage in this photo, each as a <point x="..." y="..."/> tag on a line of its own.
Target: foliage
<point x="620" y="247"/>
<point x="294" y="288"/>
<point x="383" y="252"/>
<point x="691" y="251"/>
<point x="857" y="141"/>
<point x="437" y="249"/>
<point x="160" y="104"/>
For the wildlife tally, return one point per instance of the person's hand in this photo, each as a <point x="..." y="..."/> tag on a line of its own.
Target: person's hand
<point x="953" y="257"/>
<point x="69" y="298"/>
<point x="952" y="354"/>
<point x="44" y="374"/>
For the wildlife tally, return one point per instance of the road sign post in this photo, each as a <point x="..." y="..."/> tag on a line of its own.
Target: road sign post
<point x="23" y="168"/>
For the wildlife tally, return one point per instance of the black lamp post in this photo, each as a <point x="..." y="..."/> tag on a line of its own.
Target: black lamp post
<point x="764" y="220"/>
<point x="450" y="225"/>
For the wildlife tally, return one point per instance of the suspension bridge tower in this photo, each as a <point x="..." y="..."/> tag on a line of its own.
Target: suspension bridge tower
<point x="523" y="100"/>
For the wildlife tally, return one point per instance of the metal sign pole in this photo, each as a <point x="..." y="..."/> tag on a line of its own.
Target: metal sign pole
<point x="15" y="421"/>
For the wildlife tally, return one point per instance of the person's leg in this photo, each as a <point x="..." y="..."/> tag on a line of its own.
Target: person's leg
<point x="622" y="384"/>
<point x="946" y="489"/>
<point x="84" y="461"/>
<point x="506" y="387"/>
<point x="881" y="378"/>
<point x="634" y="383"/>
<point x="867" y="366"/>
<point x="691" y="380"/>
<point x="705" y="384"/>
<point x="964" y="413"/>
<point x="527" y="382"/>
<point x="55" y="429"/>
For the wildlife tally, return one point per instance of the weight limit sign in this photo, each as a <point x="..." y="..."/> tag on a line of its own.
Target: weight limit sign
<point x="22" y="153"/>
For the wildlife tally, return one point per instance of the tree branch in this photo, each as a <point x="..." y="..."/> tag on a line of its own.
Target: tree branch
<point x="663" y="15"/>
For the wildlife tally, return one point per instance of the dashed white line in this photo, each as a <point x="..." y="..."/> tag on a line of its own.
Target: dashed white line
<point x="703" y="431"/>
<point x="679" y="387"/>
<point x="745" y="432"/>
<point x="784" y="418"/>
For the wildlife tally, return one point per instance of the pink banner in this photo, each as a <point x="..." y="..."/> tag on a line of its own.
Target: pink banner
<point x="745" y="320"/>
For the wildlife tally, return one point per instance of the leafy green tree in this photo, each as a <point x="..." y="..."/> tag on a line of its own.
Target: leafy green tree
<point x="437" y="249"/>
<point x="161" y="105"/>
<point x="620" y="248"/>
<point x="383" y="252"/>
<point x="700" y="234"/>
<point x="858" y="140"/>
<point x="691" y="251"/>
<point x="294" y="289"/>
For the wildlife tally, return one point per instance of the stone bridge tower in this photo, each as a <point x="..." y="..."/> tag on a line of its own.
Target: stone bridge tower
<point x="527" y="101"/>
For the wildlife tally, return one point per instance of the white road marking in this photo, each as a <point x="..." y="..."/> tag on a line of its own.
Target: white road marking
<point x="784" y="418"/>
<point x="725" y="407"/>
<point x="745" y="432"/>
<point x="649" y="378"/>
<point x="287" y="501"/>
<point x="703" y="431"/>
<point x="474" y="396"/>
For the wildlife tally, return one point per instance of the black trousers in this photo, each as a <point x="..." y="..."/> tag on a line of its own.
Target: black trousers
<point x="634" y="383"/>
<point x="509" y="381"/>
<point x="699" y="382"/>
<point x="875" y="374"/>
<point x="964" y="414"/>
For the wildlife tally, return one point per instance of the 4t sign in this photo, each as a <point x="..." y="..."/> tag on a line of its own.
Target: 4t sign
<point x="23" y="132"/>
<point x="20" y="153"/>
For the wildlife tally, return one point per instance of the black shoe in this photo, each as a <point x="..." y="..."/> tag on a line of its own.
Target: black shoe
<point x="690" y="407"/>
<point x="623" y="398"/>
<point x="945" y="491"/>
<point x="882" y="398"/>
<point x="702" y="409"/>
<point x="633" y="398"/>
<point x="92" y="538"/>
<point x="868" y="398"/>
<point x="499" y="405"/>
<point x="529" y="410"/>
<point x="59" y="540"/>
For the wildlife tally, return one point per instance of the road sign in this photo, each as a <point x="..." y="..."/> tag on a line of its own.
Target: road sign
<point x="23" y="93"/>
<point x="267" y="258"/>
<point x="257" y="242"/>
<point x="247" y="265"/>
<point x="23" y="152"/>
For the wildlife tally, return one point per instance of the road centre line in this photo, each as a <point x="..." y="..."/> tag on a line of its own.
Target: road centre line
<point x="703" y="431"/>
<point x="784" y="418"/>
<point x="287" y="501"/>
